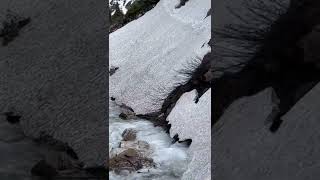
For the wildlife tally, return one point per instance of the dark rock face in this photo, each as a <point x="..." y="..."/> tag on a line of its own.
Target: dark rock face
<point x="198" y="76"/>
<point x="55" y="74"/>
<point x="113" y="70"/>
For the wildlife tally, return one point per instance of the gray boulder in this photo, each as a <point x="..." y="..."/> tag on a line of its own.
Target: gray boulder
<point x="129" y="134"/>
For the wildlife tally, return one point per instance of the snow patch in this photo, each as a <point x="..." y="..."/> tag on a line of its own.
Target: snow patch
<point x="193" y="121"/>
<point x="150" y="50"/>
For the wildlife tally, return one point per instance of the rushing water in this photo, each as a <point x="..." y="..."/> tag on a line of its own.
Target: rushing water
<point x="171" y="159"/>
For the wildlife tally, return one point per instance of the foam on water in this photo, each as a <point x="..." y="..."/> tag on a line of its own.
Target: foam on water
<point x="171" y="159"/>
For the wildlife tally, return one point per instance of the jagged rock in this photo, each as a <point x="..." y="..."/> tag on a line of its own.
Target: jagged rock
<point x="129" y="134"/>
<point x="129" y="160"/>
<point x="113" y="70"/>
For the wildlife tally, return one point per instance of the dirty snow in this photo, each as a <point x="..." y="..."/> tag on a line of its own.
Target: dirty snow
<point x="193" y="121"/>
<point x="149" y="51"/>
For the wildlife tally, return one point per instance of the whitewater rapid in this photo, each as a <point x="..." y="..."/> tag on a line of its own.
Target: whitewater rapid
<point x="171" y="159"/>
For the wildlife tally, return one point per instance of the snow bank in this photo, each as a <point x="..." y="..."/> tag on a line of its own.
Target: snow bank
<point x="149" y="51"/>
<point x="291" y="153"/>
<point x="193" y="121"/>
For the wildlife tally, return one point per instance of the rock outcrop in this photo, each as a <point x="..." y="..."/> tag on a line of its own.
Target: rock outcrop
<point x="131" y="155"/>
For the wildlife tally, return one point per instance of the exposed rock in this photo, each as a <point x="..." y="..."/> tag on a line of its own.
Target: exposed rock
<point x="141" y="146"/>
<point x="113" y="70"/>
<point x="129" y="160"/>
<point x="126" y="112"/>
<point x="129" y="134"/>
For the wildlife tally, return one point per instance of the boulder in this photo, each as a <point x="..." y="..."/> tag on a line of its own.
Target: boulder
<point x="129" y="160"/>
<point x="126" y="112"/>
<point x="141" y="146"/>
<point x="129" y="134"/>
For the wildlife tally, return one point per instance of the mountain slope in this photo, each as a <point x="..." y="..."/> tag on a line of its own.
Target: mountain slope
<point x="149" y="51"/>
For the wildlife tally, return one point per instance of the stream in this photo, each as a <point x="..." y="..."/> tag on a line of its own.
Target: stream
<point x="171" y="160"/>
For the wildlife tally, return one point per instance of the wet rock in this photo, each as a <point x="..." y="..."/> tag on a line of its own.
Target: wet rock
<point x="124" y="107"/>
<point x="175" y="138"/>
<point x="129" y="134"/>
<point x="129" y="160"/>
<point x="141" y="146"/>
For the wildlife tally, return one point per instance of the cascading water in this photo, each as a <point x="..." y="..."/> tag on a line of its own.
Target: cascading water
<point x="170" y="160"/>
